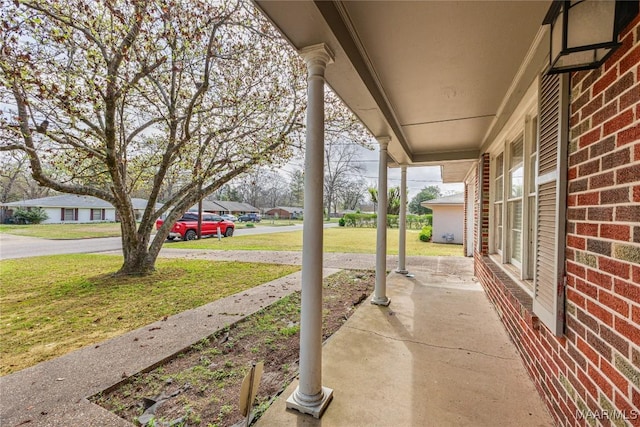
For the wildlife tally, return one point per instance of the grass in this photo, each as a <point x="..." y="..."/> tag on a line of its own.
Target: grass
<point x="50" y="306"/>
<point x="64" y="231"/>
<point x="340" y="240"/>
<point x="103" y="229"/>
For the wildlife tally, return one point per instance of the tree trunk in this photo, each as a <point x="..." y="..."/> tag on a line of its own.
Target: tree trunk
<point x="139" y="260"/>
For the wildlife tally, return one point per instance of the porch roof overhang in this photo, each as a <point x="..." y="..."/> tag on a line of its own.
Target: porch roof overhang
<point x="440" y="78"/>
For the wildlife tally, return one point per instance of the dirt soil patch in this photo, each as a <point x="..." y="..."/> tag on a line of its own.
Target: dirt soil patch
<point x="201" y="385"/>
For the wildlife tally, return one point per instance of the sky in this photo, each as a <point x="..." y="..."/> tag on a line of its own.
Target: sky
<point x="417" y="177"/>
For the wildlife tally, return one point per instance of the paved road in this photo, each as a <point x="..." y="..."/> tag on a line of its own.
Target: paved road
<point x="23" y="247"/>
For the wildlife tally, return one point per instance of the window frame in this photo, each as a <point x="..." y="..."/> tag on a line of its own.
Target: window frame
<point x="521" y="126"/>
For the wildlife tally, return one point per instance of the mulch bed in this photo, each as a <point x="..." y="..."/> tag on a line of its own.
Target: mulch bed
<point x="201" y="385"/>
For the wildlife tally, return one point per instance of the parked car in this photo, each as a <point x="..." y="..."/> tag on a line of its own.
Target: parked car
<point x="186" y="228"/>
<point x="250" y="217"/>
<point x="229" y="217"/>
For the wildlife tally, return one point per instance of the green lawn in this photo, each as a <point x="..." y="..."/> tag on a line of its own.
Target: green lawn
<point x="102" y="229"/>
<point x="50" y="306"/>
<point x="64" y="231"/>
<point x="339" y="239"/>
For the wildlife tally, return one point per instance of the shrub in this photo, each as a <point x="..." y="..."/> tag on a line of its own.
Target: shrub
<point x="425" y="233"/>
<point x="250" y="225"/>
<point x="341" y="222"/>
<point x="29" y="216"/>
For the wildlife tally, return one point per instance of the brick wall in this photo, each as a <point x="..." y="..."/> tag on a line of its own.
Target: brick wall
<point x="595" y="366"/>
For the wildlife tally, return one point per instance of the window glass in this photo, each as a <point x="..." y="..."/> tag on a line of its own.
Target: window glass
<point x="69" y="215"/>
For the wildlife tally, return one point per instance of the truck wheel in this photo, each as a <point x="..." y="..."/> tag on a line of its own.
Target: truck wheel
<point x="190" y="235"/>
<point x="229" y="232"/>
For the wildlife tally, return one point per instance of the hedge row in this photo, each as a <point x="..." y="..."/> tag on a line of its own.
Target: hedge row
<point x="370" y="220"/>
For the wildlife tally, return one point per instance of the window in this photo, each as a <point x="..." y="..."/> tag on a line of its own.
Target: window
<point x="97" y="215"/>
<point x="528" y="194"/>
<point x="514" y="202"/>
<point x="497" y="206"/>
<point x="514" y="197"/>
<point x="68" y="214"/>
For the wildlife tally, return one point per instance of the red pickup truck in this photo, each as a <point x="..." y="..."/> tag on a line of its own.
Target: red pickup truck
<point x="186" y="228"/>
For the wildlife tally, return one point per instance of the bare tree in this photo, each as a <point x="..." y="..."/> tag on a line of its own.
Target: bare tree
<point x="174" y="97"/>
<point x="344" y="133"/>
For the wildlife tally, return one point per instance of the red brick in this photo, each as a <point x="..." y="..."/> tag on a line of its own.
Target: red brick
<point x="603" y="180"/>
<point x="636" y="273"/>
<point x="587" y="229"/>
<point x="628" y="213"/>
<point x="589" y="199"/>
<point x="635" y="314"/>
<point x="613" y="375"/>
<point x="632" y="414"/>
<point x="618" y="87"/>
<point x="590" y="137"/>
<point x="581" y="101"/>
<point x="631" y="60"/>
<point x="627" y="290"/>
<point x="572" y="200"/>
<point x="629" y="135"/>
<point x="580" y="156"/>
<point x="615" y="196"/>
<point x="616" y="268"/>
<point x="619" y="122"/>
<point x="587" y="383"/>
<point x="627" y="329"/>
<point x="615" y="231"/>
<point x="615" y="340"/>
<point x="576" y="242"/>
<point x="588" y="351"/>
<point x="602" y="383"/>
<point x="573" y="173"/>
<point x="616" y="159"/>
<point x="636" y="152"/>
<point x="598" y="214"/>
<point x="631" y="97"/>
<point x="614" y="303"/>
<point x="636" y="193"/>
<point x="600" y="312"/>
<point x="589" y="168"/>
<point x="628" y="174"/>
<point x="576" y="269"/>
<point x="605" y="113"/>
<point x="587" y="289"/>
<point x="600" y="279"/>
<point x="575" y="298"/>
<point x="605" y="81"/>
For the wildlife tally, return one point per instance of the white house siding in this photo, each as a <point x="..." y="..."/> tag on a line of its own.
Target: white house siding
<point x="447" y="220"/>
<point x="84" y="216"/>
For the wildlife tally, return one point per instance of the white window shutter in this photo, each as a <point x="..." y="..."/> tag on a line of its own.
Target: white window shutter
<point x="549" y="286"/>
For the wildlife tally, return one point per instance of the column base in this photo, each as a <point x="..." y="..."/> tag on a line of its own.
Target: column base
<point x="384" y="301"/>
<point x="402" y="271"/>
<point x="315" y="408"/>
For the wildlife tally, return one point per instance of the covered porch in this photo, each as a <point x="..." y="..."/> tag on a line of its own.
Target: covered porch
<point x="437" y="356"/>
<point x="435" y="82"/>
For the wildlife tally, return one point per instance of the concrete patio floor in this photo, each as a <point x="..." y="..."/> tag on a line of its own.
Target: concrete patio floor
<point x="437" y="356"/>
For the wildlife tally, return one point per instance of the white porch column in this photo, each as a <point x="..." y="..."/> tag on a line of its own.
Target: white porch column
<point x="402" y="239"/>
<point x="380" y="294"/>
<point x="310" y="397"/>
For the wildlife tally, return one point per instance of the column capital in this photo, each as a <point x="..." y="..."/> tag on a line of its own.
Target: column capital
<point x="384" y="141"/>
<point x="317" y="53"/>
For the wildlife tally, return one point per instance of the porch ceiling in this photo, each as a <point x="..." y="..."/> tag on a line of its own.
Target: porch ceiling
<point x="435" y="76"/>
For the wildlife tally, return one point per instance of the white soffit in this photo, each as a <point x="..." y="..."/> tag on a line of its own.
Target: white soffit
<point x="432" y="75"/>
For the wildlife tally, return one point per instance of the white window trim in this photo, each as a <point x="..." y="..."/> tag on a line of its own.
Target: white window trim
<point x="519" y="124"/>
